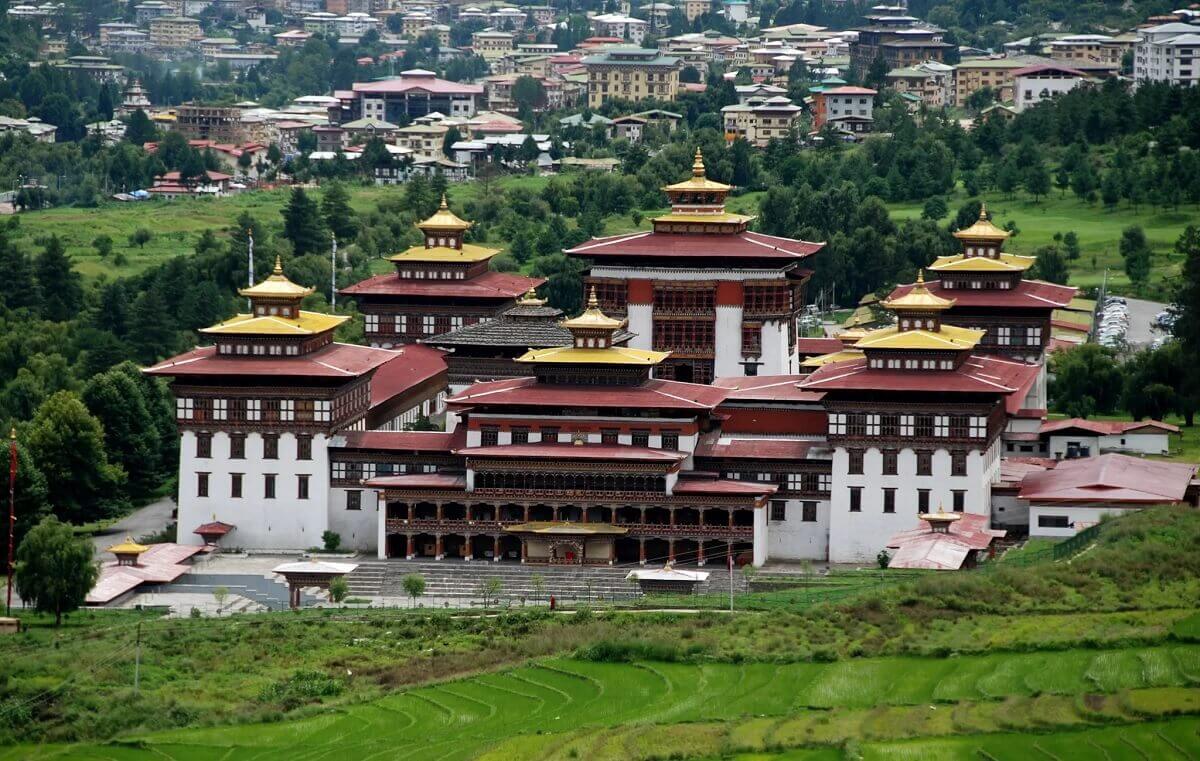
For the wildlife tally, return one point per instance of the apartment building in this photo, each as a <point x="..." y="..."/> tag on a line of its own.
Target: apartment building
<point x="174" y="32"/>
<point x="1168" y="53"/>
<point x="759" y="121"/>
<point x="630" y="74"/>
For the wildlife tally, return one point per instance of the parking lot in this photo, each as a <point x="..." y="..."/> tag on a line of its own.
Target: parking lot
<point x="1132" y="322"/>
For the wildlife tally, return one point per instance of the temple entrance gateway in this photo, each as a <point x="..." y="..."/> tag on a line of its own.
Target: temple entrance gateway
<point x="562" y="543"/>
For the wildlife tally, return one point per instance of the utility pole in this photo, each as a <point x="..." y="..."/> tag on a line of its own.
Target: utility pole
<point x="333" y="273"/>
<point x="137" y="660"/>
<point x="12" y="512"/>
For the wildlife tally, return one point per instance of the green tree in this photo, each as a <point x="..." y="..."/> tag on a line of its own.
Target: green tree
<point x="414" y="586"/>
<point x="339" y="217"/>
<point x="67" y="444"/>
<point x="103" y="245"/>
<point x="54" y="569"/>
<point x="60" y="286"/>
<point x="1136" y="253"/>
<point x="20" y="289"/>
<point x="1050" y="265"/>
<point x="140" y="129"/>
<point x="151" y="327"/>
<point x="1083" y="180"/>
<point x="528" y="94"/>
<point x="339" y="589"/>
<point x="1070" y="243"/>
<point x="1087" y="381"/>
<point x="1037" y="180"/>
<point x="130" y="437"/>
<point x="140" y="237"/>
<point x="302" y="223"/>
<point x="935" y="208"/>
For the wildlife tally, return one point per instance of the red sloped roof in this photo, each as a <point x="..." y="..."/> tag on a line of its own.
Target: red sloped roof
<point x="815" y="347"/>
<point x="721" y="486"/>
<point x="413" y="365"/>
<point x="978" y="374"/>
<point x="743" y="245"/>
<point x="755" y="449"/>
<point x="404" y="441"/>
<point x="1110" y="478"/>
<point x="333" y="361"/>
<point x="489" y="285"/>
<point x="651" y="394"/>
<point x="216" y="528"/>
<point x="767" y="388"/>
<point x="1029" y="294"/>
<point x="922" y="548"/>
<point x="621" y="452"/>
<point x="1105" y="427"/>
<point x="418" y="481"/>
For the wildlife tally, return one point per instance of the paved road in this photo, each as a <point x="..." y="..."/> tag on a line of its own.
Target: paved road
<point x="148" y="520"/>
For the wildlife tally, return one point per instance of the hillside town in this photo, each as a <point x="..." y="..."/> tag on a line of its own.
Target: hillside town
<point x="513" y="84"/>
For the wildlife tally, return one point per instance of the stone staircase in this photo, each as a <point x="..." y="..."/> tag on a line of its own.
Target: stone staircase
<point x="460" y="579"/>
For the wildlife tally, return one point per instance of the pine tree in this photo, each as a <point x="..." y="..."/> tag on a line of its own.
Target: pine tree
<point x="104" y="106"/>
<point x="20" y="289"/>
<point x="140" y="129"/>
<point x="302" y="224"/>
<point x="339" y="217"/>
<point x="130" y="437"/>
<point x="151" y="334"/>
<point x="113" y="313"/>
<point x="62" y="292"/>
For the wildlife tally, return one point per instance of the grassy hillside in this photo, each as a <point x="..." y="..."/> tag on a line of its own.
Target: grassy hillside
<point x="1110" y="637"/>
<point x="1099" y="230"/>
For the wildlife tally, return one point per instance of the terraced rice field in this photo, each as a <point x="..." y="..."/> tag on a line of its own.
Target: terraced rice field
<point x="900" y="708"/>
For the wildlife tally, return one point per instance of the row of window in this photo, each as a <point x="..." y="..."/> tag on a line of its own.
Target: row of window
<point x="922" y="426"/>
<point x="911" y="363"/>
<point x="958" y="500"/>
<point x="236" y="481"/>
<point x="427" y="324"/>
<point x="806" y="482"/>
<point x="254" y="410"/>
<point x="259" y="349"/>
<point x="360" y="471"/>
<point x="808" y="511"/>
<point x="433" y="274"/>
<point x="237" y="446"/>
<point x="891" y="461"/>
<point x="489" y="436"/>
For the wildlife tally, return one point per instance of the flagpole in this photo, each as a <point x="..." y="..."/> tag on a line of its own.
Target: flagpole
<point x="333" y="273"/>
<point x="12" y="512"/>
<point x="730" y="563"/>
<point x="249" y="262"/>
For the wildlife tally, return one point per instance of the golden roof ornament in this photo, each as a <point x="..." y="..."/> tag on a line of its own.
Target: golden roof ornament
<point x="982" y="229"/>
<point x="276" y="285"/>
<point x="699" y="180"/>
<point x="919" y="299"/>
<point x="593" y="317"/>
<point x="698" y="164"/>
<point x="531" y="299"/>
<point x="444" y="219"/>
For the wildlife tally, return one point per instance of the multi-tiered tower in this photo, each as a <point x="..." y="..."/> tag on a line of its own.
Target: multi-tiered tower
<point x="723" y="300"/>
<point x="439" y="286"/>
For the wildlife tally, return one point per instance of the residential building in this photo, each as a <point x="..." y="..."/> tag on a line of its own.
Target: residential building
<point x="174" y="32"/>
<point x="1034" y="84"/>
<point x="415" y="93"/>
<point x="899" y="40"/>
<point x="145" y="12"/>
<point x="1168" y="53"/>
<point x="930" y="81"/>
<point x="973" y="74"/>
<point x="630" y="74"/>
<point x="759" y="121"/>
<point x="627" y="28"/>
<point x="491" y="44"/>
<point x="222" y="124"/>
<point x="850" y="109"/>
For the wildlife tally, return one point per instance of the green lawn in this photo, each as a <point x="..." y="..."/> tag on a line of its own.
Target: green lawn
<point x="1099" y="230"/>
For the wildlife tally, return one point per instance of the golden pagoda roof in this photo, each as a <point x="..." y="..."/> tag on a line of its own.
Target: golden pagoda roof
<point x="983" y="229"/>
<point x="699" y="179"/>
<point x="592" y="317"/>
<point x="725" y="217"/>
<point x="829" y="359"/>
<point x="851" y="336"/>
<point x="308" y="323"/>
<point x="612" y="355"/>
<point x="128" y="547"/>
<point x="276" y="286"/>
<point x="963" y="263"/>
<point x="444" y="219"/>
<point x="940" y="517"/>
<point x="530" y="299"/>
<point x="468" y="252"/>
<point x="919" y="299"/>
<point x="946" y="338"/>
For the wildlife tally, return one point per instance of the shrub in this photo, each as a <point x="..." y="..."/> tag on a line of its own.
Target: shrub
<point x="332" y="540"/>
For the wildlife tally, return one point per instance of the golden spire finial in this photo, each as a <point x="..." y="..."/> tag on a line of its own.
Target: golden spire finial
<point x="593" y="302"/>
<point x="921" y="277"/>
<point x="12" y="433"/>
<point x="698" y="164"/>
<point x="278" y="266"/>
<point x="983" y="215"/>
<point x="444" y="204"/>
